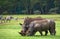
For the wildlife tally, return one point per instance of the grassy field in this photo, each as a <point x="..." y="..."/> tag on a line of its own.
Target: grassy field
<point x="10" y="30"/>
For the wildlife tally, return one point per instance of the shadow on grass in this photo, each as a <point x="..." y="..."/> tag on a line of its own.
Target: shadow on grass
<point x="46" y="36"/>
<point x="50" y="36"/>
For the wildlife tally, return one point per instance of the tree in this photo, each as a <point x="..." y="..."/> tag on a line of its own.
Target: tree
<point x="50" y="4"/>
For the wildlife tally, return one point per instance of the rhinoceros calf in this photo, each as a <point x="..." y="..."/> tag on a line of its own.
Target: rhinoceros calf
<point x="41" y="25"/>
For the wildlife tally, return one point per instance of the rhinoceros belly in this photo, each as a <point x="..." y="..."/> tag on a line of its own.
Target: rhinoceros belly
<point x="41" y="27"/>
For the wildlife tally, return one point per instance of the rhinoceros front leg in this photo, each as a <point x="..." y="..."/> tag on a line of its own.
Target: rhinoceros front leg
<point x="46" y="32"/>
<point x="30" y="31"/>
<point x="40" y="33"/>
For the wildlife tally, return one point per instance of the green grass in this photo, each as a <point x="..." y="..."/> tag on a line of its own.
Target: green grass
<point x="10" y="30"/>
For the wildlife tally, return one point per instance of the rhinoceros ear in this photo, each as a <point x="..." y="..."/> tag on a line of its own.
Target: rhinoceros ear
<point x="20" y="23"/>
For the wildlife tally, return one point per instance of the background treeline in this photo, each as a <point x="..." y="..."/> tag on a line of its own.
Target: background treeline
<point x="29" y="6"/>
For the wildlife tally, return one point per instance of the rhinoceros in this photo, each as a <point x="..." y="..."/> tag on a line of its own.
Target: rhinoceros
<point x="27" y="22"/>
<point x="41" y="25"/>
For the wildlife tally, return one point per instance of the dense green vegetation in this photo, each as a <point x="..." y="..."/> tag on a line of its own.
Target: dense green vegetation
<point x="10" y="30"/>
<point x="29" y="6"/>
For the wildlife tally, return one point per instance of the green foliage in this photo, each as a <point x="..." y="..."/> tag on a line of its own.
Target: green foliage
<point x="16" y="6"/>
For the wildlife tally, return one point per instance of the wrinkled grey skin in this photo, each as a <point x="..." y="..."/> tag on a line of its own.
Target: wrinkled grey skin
<point x="52" y="27"/>
<point x="23" y="30"/>
<point x="42" y="25"/>
<point x="26" y="23"/>
<point x="26" y="26"/>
